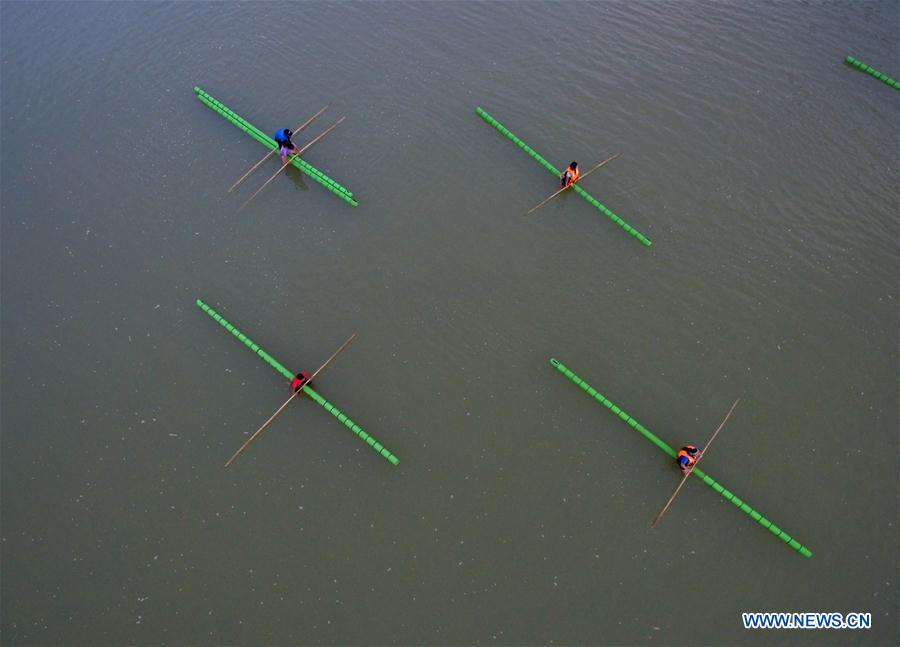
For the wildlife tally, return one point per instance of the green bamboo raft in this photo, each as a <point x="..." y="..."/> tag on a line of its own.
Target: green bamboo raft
<point x="706" y="478"/>
<point x="279" y="367"/>
<point x="547" y="165"/>
<point x="217" y="106"/>
<point x="884" y="78"/>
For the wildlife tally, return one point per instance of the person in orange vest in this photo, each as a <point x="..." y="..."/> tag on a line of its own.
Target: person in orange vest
<point x="569" y="176"/>
<point x="686" y="457"/>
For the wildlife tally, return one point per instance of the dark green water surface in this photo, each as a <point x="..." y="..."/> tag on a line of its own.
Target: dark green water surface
<point x="764" y="170"/>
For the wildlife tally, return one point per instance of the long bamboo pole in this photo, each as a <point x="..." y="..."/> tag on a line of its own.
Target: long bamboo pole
<point x="688" y="471"/>
<point x="552" y="169"/>
<point x="280" y="368"/>
<point x="706" y="478"/>
<point x="546" y="200"/>
<point x="260" y="430"/>
<point x="291" y="159"/>
<point x="235" y="119"/>
<point x="255" y="166"/>
<point x="287" y="402"/>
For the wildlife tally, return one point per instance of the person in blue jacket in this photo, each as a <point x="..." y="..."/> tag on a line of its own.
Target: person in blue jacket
<point x="285" y="145"/>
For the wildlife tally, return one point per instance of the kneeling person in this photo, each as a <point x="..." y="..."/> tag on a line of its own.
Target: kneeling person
<point x="686" y="457"/>
<point x="569" y="176"/>
<point x="285" y="145"/>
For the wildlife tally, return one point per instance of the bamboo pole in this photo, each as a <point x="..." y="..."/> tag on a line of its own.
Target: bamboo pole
<point x="546" y="200"/>
<point x="260" y="430"/>
<point x="690" y="469"/>
<point x="552" y="169"/>
<point x="341" y="417"/>
<point x="255" y="166"/>
<point x="242" y="124"/>
<point x="726" y="494"/>
<point x="291" y="159"/>
<point x="287" y="402"/>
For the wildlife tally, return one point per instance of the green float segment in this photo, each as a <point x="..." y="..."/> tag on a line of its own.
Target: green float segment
<point x="547" y="165"/>
<point x="868" y="70"/>
<point x="217" y="106"/>
<point x="278" y="366"/>
<point x="706" y="478"/>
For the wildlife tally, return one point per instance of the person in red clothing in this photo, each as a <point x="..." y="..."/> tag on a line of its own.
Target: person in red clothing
<point x="299" y="380"/>
<point x="569" y="176"/>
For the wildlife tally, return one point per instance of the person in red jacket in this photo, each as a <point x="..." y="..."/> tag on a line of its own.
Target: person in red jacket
<point x="299" y="380"/>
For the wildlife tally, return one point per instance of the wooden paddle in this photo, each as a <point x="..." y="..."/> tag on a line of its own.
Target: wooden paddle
<point x="545" y="201"/>
<point x="283" y="166"/>
<point x="691" y="468"/>
<point x="287" y="402"/>
<point x="295" y="131"/>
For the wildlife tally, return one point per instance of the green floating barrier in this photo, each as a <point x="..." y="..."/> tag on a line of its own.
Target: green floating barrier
<point x="547" y="165"/>
<point x="217" y="106"/>
<point x="884" y="78"/>
<point x="278" y="366"/>
<point x="705" y="478"/>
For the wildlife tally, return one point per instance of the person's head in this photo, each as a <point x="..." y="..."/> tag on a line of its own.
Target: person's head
<point x="573" y="165"/>
<point x="288" y="132"/>
<point x="683" y="460"/>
